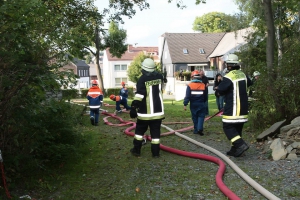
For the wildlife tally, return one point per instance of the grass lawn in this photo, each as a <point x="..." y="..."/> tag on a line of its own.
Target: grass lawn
<point x="107" y="170"/>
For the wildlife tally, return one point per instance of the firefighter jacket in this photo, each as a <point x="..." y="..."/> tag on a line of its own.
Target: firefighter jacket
<point x="149" y="96"/>
<point x="234" y="88"/>
<point x="195" y="92"/>
<point x="95" y="97"/>
<point x="124" y="92"/>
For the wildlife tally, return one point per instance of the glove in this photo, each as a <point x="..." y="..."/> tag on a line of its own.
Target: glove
<point x="165" y="80"/>
<point x="133" y="113"/>
<point x="135" y="104"/>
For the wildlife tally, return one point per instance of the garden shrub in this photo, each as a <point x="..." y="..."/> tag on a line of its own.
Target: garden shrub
<point x="276" y="91"/>
<point x="45" y="136"/>
<point x="116" y="91"/>
<point x="83" y="93"/>
<point x="69" y="94"/>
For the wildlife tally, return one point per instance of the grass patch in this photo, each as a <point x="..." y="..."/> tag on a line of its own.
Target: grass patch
<point x="105" y="168"/>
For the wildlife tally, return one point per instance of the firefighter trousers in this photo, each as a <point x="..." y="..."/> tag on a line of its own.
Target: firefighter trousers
<point x="141" y="128"/>
<point x="233" y="132"/>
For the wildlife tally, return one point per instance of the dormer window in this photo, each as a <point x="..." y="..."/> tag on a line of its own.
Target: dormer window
<point x="201" y="51"/>
<point x="185" y="51"/>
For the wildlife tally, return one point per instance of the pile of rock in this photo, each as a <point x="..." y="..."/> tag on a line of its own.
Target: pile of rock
<point x="287" y="145"/>
<point x="283" y="150"/>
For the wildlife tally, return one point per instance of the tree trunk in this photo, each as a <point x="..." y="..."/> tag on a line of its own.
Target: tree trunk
<point x="279" y="45"/>
<point x="299" y="16"/>
<point x="270" y="35"/>
<point x="98" y="69"/>
<point x="270" y="55"/>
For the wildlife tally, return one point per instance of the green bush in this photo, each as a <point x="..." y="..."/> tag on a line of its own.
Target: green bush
<point x="83" y="93"/>
<point x="49" y="136"/>
<point x="116" y="91"/>
<point x="69" y="94"/>
<point x="277" y="90"/>
<point x="187" y="75"/>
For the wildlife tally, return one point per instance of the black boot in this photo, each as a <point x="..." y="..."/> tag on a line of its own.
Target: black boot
<point x="135" y="152"/>
<point x="92" y="120"/>
<point x="231" y="151"/>
<point x="200" y="132"/>
<point x="137" y="145"/>
<point x="240" y="150"/>
<point x="155" y="150"/>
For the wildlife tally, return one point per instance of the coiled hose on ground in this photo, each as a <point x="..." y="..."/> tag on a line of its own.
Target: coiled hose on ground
<point x="219" y="181"/>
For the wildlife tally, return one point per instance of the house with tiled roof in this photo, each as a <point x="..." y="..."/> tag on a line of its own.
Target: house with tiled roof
<point x="115" y="69"/>
<point x="80" y="68"/>
<point x="186" y="51"/>
<point x="230" y="43"/>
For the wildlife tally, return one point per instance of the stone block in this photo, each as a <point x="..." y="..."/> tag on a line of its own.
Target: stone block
<point x="273" y="130"/>
<point x="292" y="156"/>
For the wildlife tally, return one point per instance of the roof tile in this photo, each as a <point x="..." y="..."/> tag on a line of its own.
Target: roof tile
<point x="193" y="42"/>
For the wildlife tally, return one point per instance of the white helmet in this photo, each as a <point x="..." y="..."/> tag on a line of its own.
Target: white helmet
<point x="148" y="65"/>
<point x="232" y="58"/>
<point x="232" y="62"/>
<point x="256" y="73"/>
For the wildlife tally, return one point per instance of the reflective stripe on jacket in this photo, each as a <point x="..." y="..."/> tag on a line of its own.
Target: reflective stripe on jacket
<point x="195" y="92"/>
<point x="95" y="96"/>
<point x="149" y="92"/>
<point x="234" y="87"/>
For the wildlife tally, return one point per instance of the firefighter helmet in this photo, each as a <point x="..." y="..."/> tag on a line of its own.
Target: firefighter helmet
<point x="94" y="82"/>
<point x="232" y="58"/>
<point x="256" y="73"/>
<point x="232" y="62"/>
<point x="195" y="73"/>
<point x="148" y="65"/>
<point x="112" y="96"/>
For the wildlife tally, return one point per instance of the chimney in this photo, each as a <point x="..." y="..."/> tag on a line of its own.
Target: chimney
<point x="129" y="47"/>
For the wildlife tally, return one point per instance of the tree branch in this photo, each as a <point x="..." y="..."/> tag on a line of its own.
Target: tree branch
<point x="90" y="50"/>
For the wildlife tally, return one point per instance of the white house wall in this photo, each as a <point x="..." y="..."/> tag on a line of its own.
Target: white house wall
<point x="109" y="73"/>
<point x="83" y="83"/>
<point x="105" y="71"/>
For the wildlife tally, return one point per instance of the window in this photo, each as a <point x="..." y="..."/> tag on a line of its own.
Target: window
<point x="185" y="51"/>
<point x="119" y="80"/>
<point x="120" y="67"/>
<point x="83" y="72"/>
<point x="201" y="51"/>
<point x="124" y="67"/>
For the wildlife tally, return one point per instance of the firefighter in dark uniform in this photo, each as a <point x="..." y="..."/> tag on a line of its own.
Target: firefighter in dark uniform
<point x="148" y="107"/>
<point x="234" y="87"/>
<point x="196" y="94"/>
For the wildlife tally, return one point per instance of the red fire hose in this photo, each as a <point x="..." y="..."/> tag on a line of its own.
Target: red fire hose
<point x="219" y="181"/>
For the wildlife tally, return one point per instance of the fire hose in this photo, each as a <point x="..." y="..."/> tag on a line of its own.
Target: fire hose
<point x="3" y="177"/>
<point x="219" y="181"/>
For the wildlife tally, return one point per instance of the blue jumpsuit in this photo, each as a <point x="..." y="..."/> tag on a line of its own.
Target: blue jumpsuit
<point x="196" y="95"/>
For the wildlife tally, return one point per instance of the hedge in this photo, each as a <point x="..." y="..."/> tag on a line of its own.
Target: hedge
<point x="74" y="93"/>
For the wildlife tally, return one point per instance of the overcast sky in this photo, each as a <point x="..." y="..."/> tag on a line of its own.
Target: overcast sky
<point x="146" y="26"/>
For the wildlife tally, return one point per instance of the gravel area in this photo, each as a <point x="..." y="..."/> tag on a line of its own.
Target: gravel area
<point x="281" y="178"/>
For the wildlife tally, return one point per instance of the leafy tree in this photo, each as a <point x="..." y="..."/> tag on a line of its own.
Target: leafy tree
<point x="35" y="37"/>
<point x="32" y="34"/>
<point x="134" y="71"/>
<point x="280" y="20"/>
<point x="114" y="40"/>
<point x="92" y="33"/>
<point x="275" y="23"/>
<point x="216" y="22"/>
